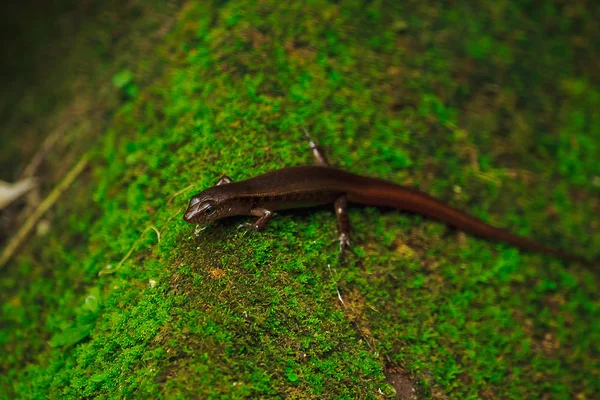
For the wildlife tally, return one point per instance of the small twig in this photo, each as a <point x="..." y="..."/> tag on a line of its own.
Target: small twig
<point x="487" y="177"/>
<point x="180" y="192"/>
<point x="37" y="159"/>
<point x="44" y="206"/>
<point x="156" y="231"/>
<point x="109" y="270"/>
<point x="336" y="285"/>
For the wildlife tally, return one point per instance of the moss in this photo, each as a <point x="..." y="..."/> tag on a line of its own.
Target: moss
<point x="473" y="105"/>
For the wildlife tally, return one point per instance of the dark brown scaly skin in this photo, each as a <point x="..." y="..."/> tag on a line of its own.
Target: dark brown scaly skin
<point x="307" y="186"/>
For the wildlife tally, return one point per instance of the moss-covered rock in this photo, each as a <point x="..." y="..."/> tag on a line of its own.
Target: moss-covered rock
<point x="493" y="108"/>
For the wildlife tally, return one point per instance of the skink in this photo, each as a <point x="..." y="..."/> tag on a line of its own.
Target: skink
<point x="307" y="186"/>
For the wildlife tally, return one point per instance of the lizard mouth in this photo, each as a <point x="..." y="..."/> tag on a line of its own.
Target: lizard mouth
<point x="192" y="214"/>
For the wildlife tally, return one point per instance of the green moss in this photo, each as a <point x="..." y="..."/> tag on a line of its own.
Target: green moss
<point x="480" y="107"/>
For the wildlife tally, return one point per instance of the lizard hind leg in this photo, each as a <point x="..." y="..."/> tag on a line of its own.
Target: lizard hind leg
<point x="317" y="151"/>
<point x="341" y="212"/>
<point x="223" y="180"/>
<point x="340" y="204"/>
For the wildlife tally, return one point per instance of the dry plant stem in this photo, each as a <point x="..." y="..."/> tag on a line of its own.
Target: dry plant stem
<point x="110" y="270"/>
<point x="37" y="159"/>
<point x="44" y="206"/>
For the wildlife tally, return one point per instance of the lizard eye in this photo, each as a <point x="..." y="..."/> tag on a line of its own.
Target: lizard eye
<point x="209" y="211"/>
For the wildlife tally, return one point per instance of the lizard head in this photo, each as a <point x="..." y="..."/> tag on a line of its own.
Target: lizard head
<point x="203" y="209"/>
<point x="215" y="203"/>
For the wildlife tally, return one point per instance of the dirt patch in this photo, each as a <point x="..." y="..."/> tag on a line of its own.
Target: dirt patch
<point x="400" y="379"/>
